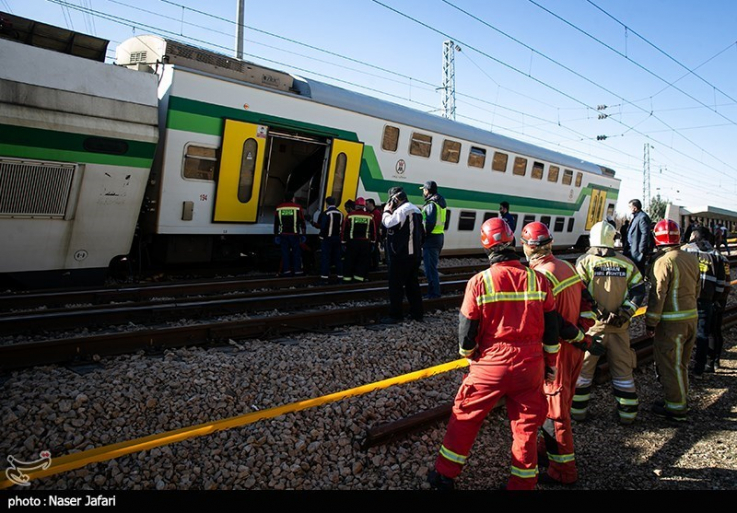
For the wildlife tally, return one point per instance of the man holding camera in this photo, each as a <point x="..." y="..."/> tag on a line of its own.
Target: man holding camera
<point x="405" y="235"/>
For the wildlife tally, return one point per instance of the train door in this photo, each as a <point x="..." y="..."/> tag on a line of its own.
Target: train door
<point x="241" y="169"/>
<point x="345" y="165"/>
<point x="596" y="208"/>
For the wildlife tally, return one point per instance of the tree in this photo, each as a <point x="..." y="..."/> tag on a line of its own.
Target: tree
<point x="656" y="211"/>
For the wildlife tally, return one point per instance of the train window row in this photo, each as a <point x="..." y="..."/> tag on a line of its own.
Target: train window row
<point x="421" y="146"/>
<point x="467" y="221"/>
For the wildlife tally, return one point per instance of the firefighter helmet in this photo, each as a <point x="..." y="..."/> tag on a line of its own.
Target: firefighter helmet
<point x="360" y="202"/>
<point x="667" y="233"/>
<point x="602" y="235"/>
<point x="494" y="232"/>
<point x="536" y="234"/>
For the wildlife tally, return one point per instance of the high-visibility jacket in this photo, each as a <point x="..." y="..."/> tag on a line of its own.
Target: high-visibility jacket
<point x="674" y="287"/>
<point x="433" y="215"/>
<point x="711" y="271"/>
<point x="331" y="223"/>
<point x="289" y="219"/>
<point x="509" y="301"/>
<point x="359" y="225"/>
<point x="614" y="282"/>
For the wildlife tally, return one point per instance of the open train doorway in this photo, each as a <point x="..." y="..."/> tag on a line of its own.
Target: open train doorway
<point x="296" y="165"/>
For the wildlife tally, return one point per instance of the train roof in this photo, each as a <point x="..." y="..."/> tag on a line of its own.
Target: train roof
<point x="148" y="49"/>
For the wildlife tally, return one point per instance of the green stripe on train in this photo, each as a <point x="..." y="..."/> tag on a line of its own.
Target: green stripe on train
<point x="25" y="152"/>
<point x="207" y="118"/>
<point x="374" y="182"/>
<point x="37" y="139"/>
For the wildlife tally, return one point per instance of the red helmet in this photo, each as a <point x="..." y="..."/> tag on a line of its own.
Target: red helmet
<point x="495" y="231"/>
<point x="360" y="202"/>
<point x="667" y="232"/>
<point x="536" y="234"/>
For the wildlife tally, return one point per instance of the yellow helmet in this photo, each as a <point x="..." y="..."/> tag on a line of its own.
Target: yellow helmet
<point x="602" y="235"/>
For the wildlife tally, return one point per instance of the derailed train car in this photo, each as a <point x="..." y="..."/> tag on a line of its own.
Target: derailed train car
<point x="233" y="138"/>
<point x="77" y="139"/>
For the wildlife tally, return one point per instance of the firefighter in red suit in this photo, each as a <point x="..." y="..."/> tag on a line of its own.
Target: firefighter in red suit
<point x="509" y="332"/>
<point x="556" y="443"/>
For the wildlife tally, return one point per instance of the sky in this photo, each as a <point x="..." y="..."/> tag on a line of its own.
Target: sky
<point x="596" y="79"/>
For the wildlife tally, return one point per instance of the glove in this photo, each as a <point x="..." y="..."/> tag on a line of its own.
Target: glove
<point x="596" y="348"/>
<point x="550" y="374"/>
<point x="277" y="240"/>
<point x="650" y="331"/>
<point x="303" y="239"/>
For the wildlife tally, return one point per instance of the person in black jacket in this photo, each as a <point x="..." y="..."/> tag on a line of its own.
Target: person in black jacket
<point x="330" y="224"/>
<point x="639" y="236"/>
<point x="404" y="238"/>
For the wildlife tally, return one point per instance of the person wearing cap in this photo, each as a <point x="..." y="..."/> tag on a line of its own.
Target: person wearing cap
<point x="618" y="290"/>
<point x="671" y="318"/>
<point x="404" y="237"/>
<point x="571" y="301"/>
<point x="508" y="330"/>
<point x="359" y="233"/>
<point x="433" y="220"/>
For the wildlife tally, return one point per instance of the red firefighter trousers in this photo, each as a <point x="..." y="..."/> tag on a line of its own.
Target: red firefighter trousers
<point x="515" y="372"/>
<point x="557" y="438"/>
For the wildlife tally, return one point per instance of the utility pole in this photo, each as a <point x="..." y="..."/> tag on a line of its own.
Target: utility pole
<point x="240" y="16"/>
<point x="646" y="177"/>
<point x="448" y="105"/>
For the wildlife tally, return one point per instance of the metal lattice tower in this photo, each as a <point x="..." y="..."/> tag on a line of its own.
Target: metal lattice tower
<point x="646" y="177"/>
<point x="448" y="105"/>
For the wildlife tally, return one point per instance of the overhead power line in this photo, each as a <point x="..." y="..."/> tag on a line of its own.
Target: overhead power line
<point x="690" y="71"/>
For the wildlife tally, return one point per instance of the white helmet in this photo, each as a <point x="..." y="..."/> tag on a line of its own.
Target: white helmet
<point x="602" y="235"/>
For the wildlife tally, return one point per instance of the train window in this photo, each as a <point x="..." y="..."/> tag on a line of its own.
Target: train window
<point x="420" y="145"/>
<point x="560" y="223"/>
<point x="579" y="177"/>
<point x="200" y="162"/>
<point x="477" y="157"/>
<point x="490" y="215"/>
<point x="520" y="166"/>
<point x="340" y="163"/>
<point x="567" y="177"/>
<point x="546" y="221"/>
<point x="553" y="173"/>
<point x="527" y="220"/>
<point x="537" y="170"/>
<point x="467" y="221"/>
<point x="248" y="166"/>
<point x="570" y="224"/>
<point x="105" y="145"/>
<point x="390" y="142"/>
<point x="451" y="151"/>
<point x="447" y="219"/>
<point x="500" y="161"/>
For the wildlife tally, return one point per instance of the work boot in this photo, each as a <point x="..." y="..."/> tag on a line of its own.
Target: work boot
<point x="440" y="482"/>
<point x="579" y="417"/>
<point x="662" y="411"/>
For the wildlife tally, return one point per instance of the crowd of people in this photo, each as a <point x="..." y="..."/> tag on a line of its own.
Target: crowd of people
<point x="533" y="335"/>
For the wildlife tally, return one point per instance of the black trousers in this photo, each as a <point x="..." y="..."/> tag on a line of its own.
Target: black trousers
<point x="403" y="280"/>
<point x="716" y="342"/>
<point x="703" y="330"/>
<point x="357" y="260"/>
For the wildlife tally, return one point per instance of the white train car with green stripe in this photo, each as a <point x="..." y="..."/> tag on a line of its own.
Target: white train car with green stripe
<point x="236" y="137"/>
<point x="77" y="140"/>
